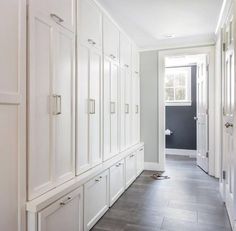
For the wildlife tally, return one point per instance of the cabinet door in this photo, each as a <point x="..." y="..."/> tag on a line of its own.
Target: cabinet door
<point x="96" y="199"/>
<point x="125" y="51"/>
<point x="94" y="106"/>
<point x="64" y="215"/>
<point x="40" y="159"/>
<point x="64" y="109"/>
<point x="128" y="108"/>
<point x="122" y="110"/>
<point x="117" y="181"/>
<point x="130" y="167"/>
<point x="90" y="23"/>
<point x="114" y="108"/>
<point x="140" y="160"/>
<point x="110" y="39"/>
<point x="83" y="158"/>
<point x="107" y="109"/>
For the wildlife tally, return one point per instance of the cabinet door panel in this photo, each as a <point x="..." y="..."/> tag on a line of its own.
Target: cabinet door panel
<point x="125" y="51"/>
<point x="111" y="39"/>
<point x="117" y="181"/>
<point x="96" y="200"/>
<point x="107" y="109"/>
<point x="140" y="160"/>
<point x="90" y="24"/>
<point x="64" y="214"/>
<point x="114" y="104"/>
<point x="41" y="157"/>
<point x="122" y="110"/>
<point x="64" y="111"/>
<point x="94" y="101"/>
<point x="130" y="165"/>
<point x="82" y="144"/>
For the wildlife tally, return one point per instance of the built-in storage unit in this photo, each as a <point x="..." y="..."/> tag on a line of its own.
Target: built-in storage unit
<point x="130" y="169"/>
<point x="96" y="199"/>
<point x="64" y="214"/>
<point x="117" y="181"/>
<point x="83" y="139"/>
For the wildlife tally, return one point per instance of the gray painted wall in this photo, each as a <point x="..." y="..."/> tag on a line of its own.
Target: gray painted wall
<point x="179" y="119"/>
<point x="149" y="104"/>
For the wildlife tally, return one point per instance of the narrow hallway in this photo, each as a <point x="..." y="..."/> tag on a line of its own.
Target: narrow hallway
<point x="189" y="200"/>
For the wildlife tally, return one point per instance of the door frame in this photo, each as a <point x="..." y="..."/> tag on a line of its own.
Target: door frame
<point x="210" y="52"/>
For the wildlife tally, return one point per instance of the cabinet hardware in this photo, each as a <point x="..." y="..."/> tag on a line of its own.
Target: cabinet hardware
<point x="57" y="110"/>
<point x="66" y="201"/>
<point x="90" y="41"/>
<point x="113" y="107"/>
<point x="227" y="125"/>
<point x="56" y="18"/>
<point x="100" y="177"/>
<point x="224" y="175"/>
<point x="126" y="65"/>
<point x="92" y="109"/>
<point x="117" y="165"/>
<point x="136" y="72"/>
<point x="137" y="109"/>
<point x="141" y="149"/>
<point x="127" y="108"/>
<point x="195" y="118"/>
<point x="120" y="164"/>
<point x="97" y="180"/>
<point x="112" y="56"/>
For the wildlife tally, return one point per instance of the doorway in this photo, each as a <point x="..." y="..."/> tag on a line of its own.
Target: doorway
<point x="193" y="134"/>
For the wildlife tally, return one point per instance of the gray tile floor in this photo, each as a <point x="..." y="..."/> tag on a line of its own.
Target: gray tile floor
<point x="188" y="201"/>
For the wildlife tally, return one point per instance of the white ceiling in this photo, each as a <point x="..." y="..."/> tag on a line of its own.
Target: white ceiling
<point x="149" y="22"/>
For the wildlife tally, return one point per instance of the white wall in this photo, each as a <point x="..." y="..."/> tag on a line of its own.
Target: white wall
<point x="149" y="105"/>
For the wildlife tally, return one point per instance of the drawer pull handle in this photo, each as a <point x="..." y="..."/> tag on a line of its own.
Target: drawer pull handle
<point x="137" y="109"/>
<point x="117" y="165"/>
<point x="141" y="149"/>
<point x="127" y="108"/>
<point x="66" y="201"/>
<point x="57" y="103"/>
<point x="90" y="41"/>
<point x="126" y="65"/>
<point x="56" y="18"/>
<point x="113" y="107"/>
<point x="112" y="56"/>
<point x="97" y="180"/>
<point x="92" y="107"/>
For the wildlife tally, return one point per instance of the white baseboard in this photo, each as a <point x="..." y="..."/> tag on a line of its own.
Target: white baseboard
<point x="151" y="166"/>
<point x="181" y="152"/>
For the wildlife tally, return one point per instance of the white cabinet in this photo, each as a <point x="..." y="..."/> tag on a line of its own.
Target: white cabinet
<point x="51" y="104"/>
<point x="125" y="51"/>
<point x="96" y="199"/>
<point x="65" y="214"/>
<point x="140" y="160"/>
<point x="130" y="169"/>
<point x="61" y="11"/>
<point x="117" y="181"/>
<point x="110" y="108"/>
<point x="111" y="39"/>
<point x="88" y="152"/>
<point x="89" y="24"/>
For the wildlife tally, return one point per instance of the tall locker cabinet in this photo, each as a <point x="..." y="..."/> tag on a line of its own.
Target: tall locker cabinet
<point x="125" y="93"/>
<point x="110" y="88"/>
<point x="51" y="103"/>
<point x="89" y="70"/>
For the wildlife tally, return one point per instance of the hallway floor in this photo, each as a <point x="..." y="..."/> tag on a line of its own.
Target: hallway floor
<point x="188" y="201"/>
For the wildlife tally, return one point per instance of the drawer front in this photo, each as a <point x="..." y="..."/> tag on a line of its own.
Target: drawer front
<point x="117" y="181"/>
<point x="96" y="199"/>
<point x="130" y="169"/>
<point x="140" y="160"/>
<point x="64" y="214"/>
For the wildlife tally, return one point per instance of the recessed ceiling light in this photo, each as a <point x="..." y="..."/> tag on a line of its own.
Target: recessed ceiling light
<point x="169" y="36"/>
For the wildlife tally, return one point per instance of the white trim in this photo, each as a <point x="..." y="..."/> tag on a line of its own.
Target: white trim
<point x="181" y="152"/>
<point x="210" y="51"/>
<point x="150" y="166"/>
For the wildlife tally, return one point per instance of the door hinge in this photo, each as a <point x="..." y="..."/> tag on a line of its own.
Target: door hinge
<point x="223" y="175"/>
<point x="207" y="154"/>
<point x="224" y="46"/>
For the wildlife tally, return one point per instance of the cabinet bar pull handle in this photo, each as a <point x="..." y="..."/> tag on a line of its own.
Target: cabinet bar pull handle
<point x="57" y="99"/>
<point x="92" y="109"/>
<point x="137" y="109"/>
<point x="141" y="149"/>
<point x="126" y="65"/>
<point x="66" y="201"/>
<point x="90" y="41"/>
<point x="127" y="108"/>
<point x="113" y="107"/>
<point x="56" y="18"/>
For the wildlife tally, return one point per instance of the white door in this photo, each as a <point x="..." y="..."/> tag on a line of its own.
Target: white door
<point x="122" y="142"/>
<point x="65" y="214"/>
<point x="95" y="66"/>
<point x="202" y="114"/>
<point x="64" y="110"/>
<point x="228" y="122"/>
<point x="83" y="158"/>
<point x="130" y="169"/>
<point x="40" y="116"/>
